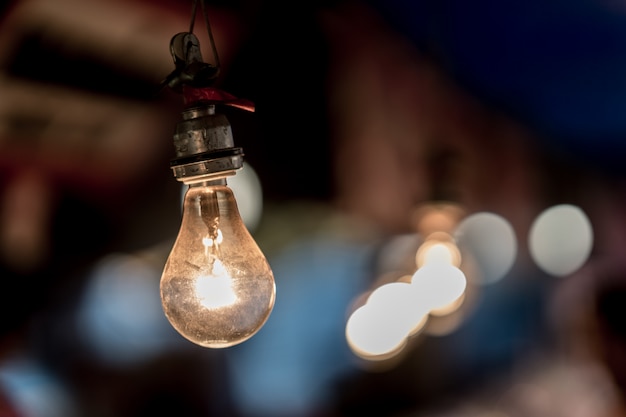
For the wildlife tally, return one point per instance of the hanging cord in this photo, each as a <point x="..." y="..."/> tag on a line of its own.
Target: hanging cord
<point x="194" y="7"/>
<point x="208" y="27"/>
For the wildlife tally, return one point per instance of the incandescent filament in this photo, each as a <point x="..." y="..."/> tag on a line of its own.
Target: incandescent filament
<point x="213" y="286"/>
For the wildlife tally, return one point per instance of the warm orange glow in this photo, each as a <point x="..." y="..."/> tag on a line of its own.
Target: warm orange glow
<point x="438" y="251"/>
<point x="217" y="288"/>
<point x="437" y="217"/>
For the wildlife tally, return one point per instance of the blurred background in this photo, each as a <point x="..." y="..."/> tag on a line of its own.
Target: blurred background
<point x="481" y="140"/>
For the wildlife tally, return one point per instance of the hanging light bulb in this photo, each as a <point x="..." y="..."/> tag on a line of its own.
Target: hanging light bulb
<point x="217" y="288"/>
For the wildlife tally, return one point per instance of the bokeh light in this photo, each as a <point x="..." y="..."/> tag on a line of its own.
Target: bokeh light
<point x="120" y="314"/>
<point x="560" y="239"/>
<point x="397" y="310"/>
<point x="374" y="336"/>
<point x="440" y="249"/>
<point x="444" y="284"/>
<point x="491" y="241"/>
<point x="400" y="301"/>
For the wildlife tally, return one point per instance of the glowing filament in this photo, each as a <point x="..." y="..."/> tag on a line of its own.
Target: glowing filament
<point x="214" y="290"/>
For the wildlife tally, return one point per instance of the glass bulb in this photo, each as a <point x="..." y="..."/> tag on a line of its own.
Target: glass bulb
<point x="217" y="288"/>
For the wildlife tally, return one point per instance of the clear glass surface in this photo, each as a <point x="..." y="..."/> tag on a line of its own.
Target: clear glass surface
<point x="217" y="288"/>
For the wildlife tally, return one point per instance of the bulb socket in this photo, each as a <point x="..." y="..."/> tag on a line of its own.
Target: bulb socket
<point x="204" y="145"/>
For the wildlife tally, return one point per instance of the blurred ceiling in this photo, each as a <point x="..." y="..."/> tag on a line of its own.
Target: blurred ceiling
<point x="79" y="78"/>
<point x="75" y="86"/>
<point x="558" y="66"/>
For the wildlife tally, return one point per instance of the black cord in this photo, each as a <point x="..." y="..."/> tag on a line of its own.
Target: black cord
<point x="208" y="26"/>
<point x="194" y="7"/>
